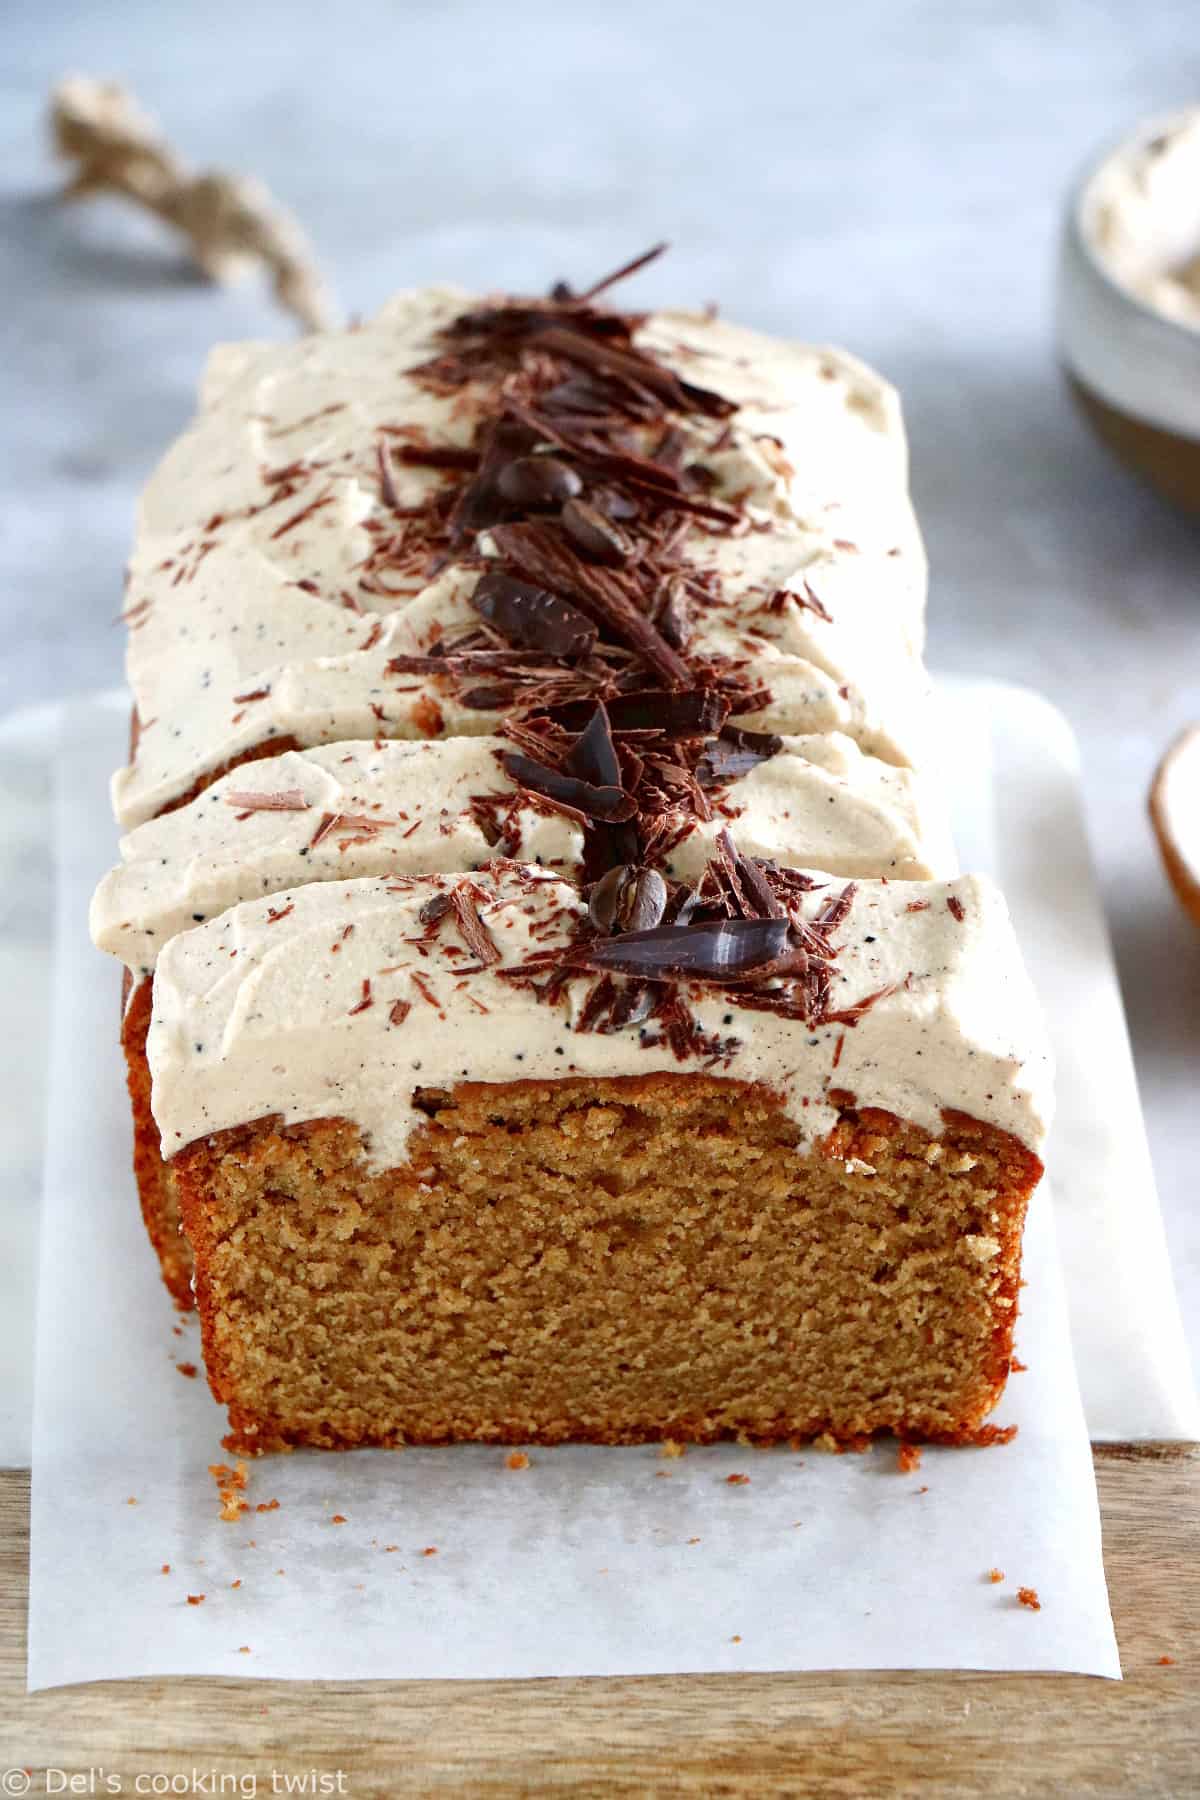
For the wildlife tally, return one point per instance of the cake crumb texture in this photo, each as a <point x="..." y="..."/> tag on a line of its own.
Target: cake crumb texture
<point x="617" y="1261"/>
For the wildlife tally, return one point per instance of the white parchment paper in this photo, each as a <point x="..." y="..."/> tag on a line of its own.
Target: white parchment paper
<point x="587" y="1562"/>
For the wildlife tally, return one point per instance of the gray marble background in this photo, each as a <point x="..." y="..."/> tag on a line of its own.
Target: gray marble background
<point x="887" y="175"/>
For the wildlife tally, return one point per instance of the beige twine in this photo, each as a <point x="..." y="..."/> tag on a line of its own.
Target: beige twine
<point x="231" y="221"/>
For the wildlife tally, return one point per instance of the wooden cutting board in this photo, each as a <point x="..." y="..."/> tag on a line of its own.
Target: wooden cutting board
<point x="832" y="1734"/>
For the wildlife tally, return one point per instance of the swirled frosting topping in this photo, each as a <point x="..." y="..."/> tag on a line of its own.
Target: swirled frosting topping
<point x="333" y="506"/>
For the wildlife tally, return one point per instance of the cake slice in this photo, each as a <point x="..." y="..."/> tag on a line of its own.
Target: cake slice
<point x="360" y="808"/>
<point x="461" y="1157"/>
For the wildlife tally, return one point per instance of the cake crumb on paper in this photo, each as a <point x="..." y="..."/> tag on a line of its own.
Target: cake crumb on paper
<point x="196" y="1599"/>
<point x="1029" y="1597"/>
<point x="516" y="1459"/>
<point x="994" y="1576"/>
<point x="737" y="1481"/>
<point x="908" y="1458"/>
<point x="231" y="1486"/>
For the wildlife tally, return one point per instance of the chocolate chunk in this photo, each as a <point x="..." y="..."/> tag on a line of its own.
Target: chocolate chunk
<point x="598" y="537"/>
<point x="628" y="899"/>
<point x="606" y="803"/>
<point x="719" y="950"/>
<point x="538" y="483"/>
<point x="532" y="616"/>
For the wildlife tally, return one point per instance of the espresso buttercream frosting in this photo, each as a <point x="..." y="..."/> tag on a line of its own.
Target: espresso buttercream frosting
<point x="366" y="808"/>
<point x="355" y="999"/>
<point x="285" y="559"/>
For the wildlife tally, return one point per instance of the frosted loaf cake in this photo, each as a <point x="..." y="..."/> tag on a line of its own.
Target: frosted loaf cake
<point x="530" y="711"/>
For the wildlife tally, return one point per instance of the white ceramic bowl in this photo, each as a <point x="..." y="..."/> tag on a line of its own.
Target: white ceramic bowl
<point x="1134" y="372"/>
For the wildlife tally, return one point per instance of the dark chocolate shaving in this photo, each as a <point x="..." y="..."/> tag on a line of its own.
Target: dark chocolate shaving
<point x="533" y="617"/>
<point x="718" y="950"/>
<point x="541" y="555"/>
<point x="748" y="886"/>
<point x="475" y="933"/>
<point x="607" y="281"/>
<point x="850" y="1015"/>
<point x="490" y="699"/>
<point x="803" y="597"/>
<point x="593" y="755"/>
<point x="675" y="715"/>
<point x="834" y="911"/>
<point x="436" y="456"/>
<point x="464" y="662"/>
<point x="606" y="803"/>
<point x="728" y="757"/>
<point x="633" y="370"/>
<point x="286" y="800"/>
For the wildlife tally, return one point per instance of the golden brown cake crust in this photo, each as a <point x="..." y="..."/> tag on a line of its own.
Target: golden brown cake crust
<point x="155" y="1179"/>
<point x="155" y="1182"/>
<point x="611" y="1261"/>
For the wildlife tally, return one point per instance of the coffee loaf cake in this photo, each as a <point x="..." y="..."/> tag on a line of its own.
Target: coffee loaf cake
<point x="559" y="669"/>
